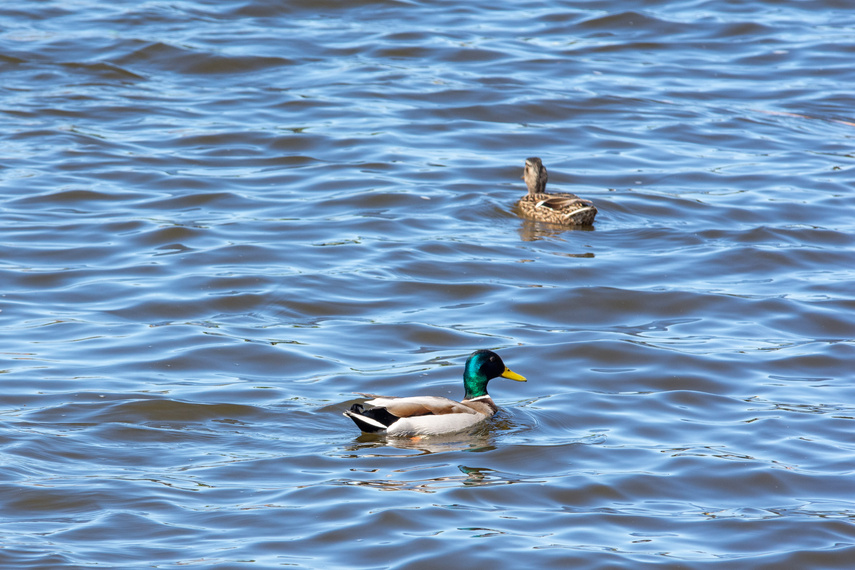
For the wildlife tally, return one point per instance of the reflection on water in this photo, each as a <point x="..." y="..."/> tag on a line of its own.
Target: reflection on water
<point x="472" y="477"/>
<point x="433" y="444"/>
<point x="534" y="231"/>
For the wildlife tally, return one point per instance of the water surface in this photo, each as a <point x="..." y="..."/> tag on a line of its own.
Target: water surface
<point x="222" y="219"/>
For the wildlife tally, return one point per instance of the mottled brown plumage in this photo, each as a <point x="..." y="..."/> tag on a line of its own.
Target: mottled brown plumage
<point x="558" y="208"/>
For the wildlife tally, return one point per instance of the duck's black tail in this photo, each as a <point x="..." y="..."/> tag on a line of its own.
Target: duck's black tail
<point x="374" y="420"/>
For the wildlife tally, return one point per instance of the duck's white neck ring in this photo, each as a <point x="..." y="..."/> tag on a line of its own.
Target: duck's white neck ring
<point x="485" y="396"/>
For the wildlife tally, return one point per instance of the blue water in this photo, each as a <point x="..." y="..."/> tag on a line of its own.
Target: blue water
<point x="220" y="220"/>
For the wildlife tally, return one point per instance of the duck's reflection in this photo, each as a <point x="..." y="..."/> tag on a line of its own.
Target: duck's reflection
<point x="534" y="231"/>
<point x="480" y="440"/>
<point x="470" y="477"/>
<point x="432" y="476"/>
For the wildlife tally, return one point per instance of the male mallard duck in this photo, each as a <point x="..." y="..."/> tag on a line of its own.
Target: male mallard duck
<point x="434" y="415"/>
<point x="561" y="208"/>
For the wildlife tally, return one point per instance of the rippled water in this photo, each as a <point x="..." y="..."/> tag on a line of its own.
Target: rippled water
<point x="222" y="219"/>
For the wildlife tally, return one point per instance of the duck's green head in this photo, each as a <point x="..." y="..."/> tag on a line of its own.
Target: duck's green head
<point x="481" y="367"/>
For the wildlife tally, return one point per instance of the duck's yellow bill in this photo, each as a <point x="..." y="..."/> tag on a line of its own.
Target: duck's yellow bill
<point x="508" y="373"/>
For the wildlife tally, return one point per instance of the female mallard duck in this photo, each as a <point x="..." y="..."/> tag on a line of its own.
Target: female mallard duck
<point x="434" y="415"/>
<point x="561" y="208"/>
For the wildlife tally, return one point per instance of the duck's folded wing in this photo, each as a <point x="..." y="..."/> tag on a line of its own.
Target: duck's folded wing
<point x="560" y="202"/>
<point x="420" y="406"/>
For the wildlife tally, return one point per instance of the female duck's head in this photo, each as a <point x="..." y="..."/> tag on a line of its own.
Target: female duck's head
<point x="535" y="175"/>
